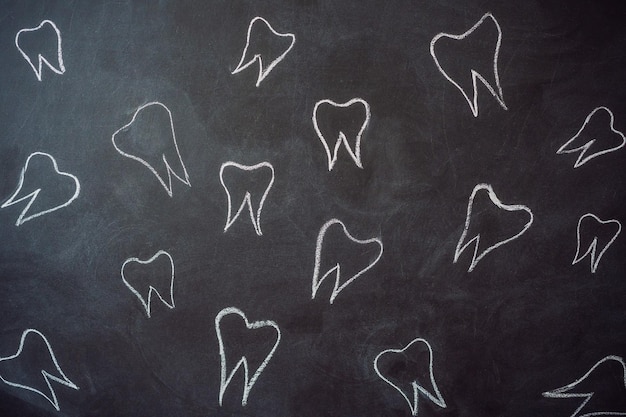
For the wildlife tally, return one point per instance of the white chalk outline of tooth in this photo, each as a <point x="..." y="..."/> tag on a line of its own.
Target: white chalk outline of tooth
<point x="151" y="289"/>
<point x="40" y="58"/>
<point x="317" y="282"/>
<point x="356" y="155"/>
<point x="33" y="196"/>
<point x="170" y="171"/>
<point x="248" y="382"/>
<point x="476" y="239"/>
<point x="247" y="198"/>
<point x="47" y="377"/>
<point x="475" y="75"/>
<point x="562" y="392"/>
<point x="594" y="243"/>
<point x="259" y="57"/>
<point x="437" y="398"/>
<point x="584" y="148"/>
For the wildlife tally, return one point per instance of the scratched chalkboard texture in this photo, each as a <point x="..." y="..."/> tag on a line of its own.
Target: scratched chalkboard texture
<point x="312" y="208"/>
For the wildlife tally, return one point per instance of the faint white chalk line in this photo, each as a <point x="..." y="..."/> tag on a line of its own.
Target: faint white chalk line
<point x="61" y="379"/>
<point x="225" y="376"/>
<point x="497" y="91"/>
<point x="337" y="288"/>
<point x="60" y="69"/>
<point x="151" y="289"/>
<point x="263" y="72"/>
<point x="563" y="391"/>
<point x="476" y="257"/>
<point x="593" y="246"/>
<point x="170" y="171"/>
<point x="32" y="196"/>
<point x="436" y="398"/>
<point x="584" y="148"/>
<point x="354" y="154"/>
<point x="247" y="199"/>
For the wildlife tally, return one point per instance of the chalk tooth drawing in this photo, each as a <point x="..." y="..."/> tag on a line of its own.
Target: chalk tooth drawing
<point x="246" y="200"/>
<point x="570" y="390"/>
<point x="20" y="194"/>
<point x="336" y="270"/>
<point x="412" y="396"/>
<point x="476" y="76"/>
<point x="169" y="144"/>
<point x="53" y="373"/>
<point x="227" y="376"/>
<point x="48" y="29"/>
<point x="583" y="141"/>
<point x="340" y="137"/>
<point x="158" y="287"/>
<point x="464" y="243"/>
<point x="589" y="243"/>
<point x="250" y="55"/>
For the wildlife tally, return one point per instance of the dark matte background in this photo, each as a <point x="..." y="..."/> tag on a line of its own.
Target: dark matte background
<point x="523" y="322"/>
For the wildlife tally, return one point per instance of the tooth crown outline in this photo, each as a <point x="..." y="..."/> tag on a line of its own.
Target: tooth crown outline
<point x="247" y="200"/>
<point x="64" y="380"/>
<point x="317" y="281"/>
<point x="263" y="72"/>
<point x="563" y="391"/>
<point x="356" y="154"/>
<point x="437" y="398"/>
<point x="460" y="247"/>
<point x="226" y="377"/>
<point x="146" y="303"/>
<point x="591" y="250"/>
<point x="40" y="59"/>
<point x="33" y="195"/>
<point x="170" y="171"/>
<point x="473" y="102"/>
<point x="585" y="147"/>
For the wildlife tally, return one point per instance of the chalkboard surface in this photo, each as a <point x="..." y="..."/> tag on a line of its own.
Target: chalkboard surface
<point x="312" y="208"/>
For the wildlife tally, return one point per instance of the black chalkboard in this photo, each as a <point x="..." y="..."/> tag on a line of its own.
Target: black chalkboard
<point x="182" y="182"/>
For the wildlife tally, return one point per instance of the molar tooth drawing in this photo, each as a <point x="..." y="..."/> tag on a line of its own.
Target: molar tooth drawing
<point x="160" y="283"/>
<point x="33" y="382"/>
<point x="476" y="76"/>
<point x="335" y="270"/>
<point x="150" y="138"/>
<point x="225" y="375"/>
<point x="587" y="238"/>
<point x="258" y="32"/>
<point x="583" y="141"/>
<point x="49" y="33"/>
<point x="463" y="243"/>
<point x="33" y="192"/>
<point x="412" y="388"/>
<point x="340" y="136"/>
<point x="572" y="390"/>
<point x="247" y="199"/>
